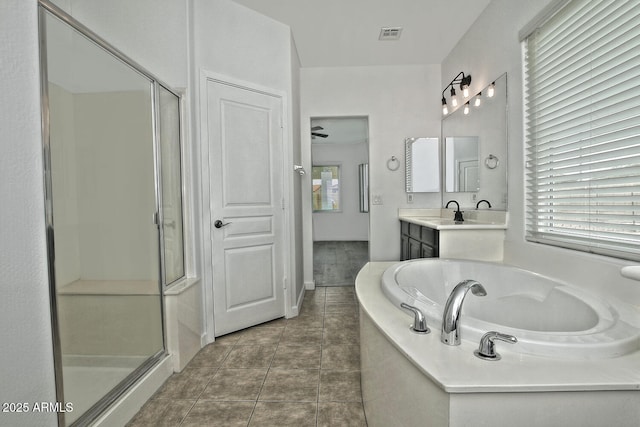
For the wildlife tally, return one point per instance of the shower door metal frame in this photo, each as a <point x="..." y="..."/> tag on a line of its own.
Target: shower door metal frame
<point x="44" y="7"/>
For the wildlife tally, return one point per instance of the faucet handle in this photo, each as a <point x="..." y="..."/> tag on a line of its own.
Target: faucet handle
<point x="419" y="322"/>
<point x="487" y="349"/>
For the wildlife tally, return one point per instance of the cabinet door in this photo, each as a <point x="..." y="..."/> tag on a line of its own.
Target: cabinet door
<point x="404" y="247"/>
<point x="415" y="248"/>
<point x="427" y="251"/>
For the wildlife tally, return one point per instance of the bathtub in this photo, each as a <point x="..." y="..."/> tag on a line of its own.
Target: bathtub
<point x="548" y="317"/>
<point x="411" y="379"/>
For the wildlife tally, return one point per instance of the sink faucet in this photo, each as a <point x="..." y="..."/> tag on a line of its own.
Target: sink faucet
<point x="450" y="333"/>
<point x="458" y="213"/>
<point x="483" y="200"/>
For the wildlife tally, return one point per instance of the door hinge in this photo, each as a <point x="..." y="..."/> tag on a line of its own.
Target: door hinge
<point x="282" y="203"/>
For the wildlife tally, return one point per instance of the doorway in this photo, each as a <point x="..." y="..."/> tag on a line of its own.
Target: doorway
<point x="340" y="216"/>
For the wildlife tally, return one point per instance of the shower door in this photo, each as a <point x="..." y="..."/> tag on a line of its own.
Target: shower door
<point x="103" y="218"/>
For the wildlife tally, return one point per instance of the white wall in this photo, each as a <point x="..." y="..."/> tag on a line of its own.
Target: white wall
<point x="489" y="48"/>
<point x="151" y="32"/>
<point x="26" y="358"/>
<point x="399" y="101"/>
<point x="349" y="223"/>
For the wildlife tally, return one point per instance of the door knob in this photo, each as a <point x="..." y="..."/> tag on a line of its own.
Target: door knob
<point x="220" y="224"/>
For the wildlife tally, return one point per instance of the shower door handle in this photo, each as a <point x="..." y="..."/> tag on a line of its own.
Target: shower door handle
<point x="220" y="224"/>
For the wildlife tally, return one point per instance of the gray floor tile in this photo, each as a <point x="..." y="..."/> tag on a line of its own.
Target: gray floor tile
<point x="162" y="412"/>
<point x="235" y="384"/>
<point x="211" y="356"/>
<point x="297" y="357"/>
<point x="211" y="413"/>
<point x="284" y="414"/>
<point x="187" y="384"/>
<point x="341" y="357"/>
<point x="256" y="356"/>
<point x="302" y="337"/>
<point x="341" y="414"/>
<point x="340" y="386"/>
<point x="291" y="385"/>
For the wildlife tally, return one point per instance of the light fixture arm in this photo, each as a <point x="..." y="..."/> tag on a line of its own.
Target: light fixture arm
<point x="461" y="79"/>
<point x="464" y="81"/>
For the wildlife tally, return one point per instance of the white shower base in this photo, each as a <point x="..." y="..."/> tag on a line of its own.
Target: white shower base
<point x="87" y="380"/>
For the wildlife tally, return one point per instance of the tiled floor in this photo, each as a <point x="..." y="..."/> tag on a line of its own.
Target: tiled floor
<point x="336" y="263"/>
<point x="298" y="372"/>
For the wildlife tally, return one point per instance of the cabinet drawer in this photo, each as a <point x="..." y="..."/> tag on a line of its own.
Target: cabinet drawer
<point x="430" y="236"/>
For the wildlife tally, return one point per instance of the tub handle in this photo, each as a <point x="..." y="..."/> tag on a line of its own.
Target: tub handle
<point x="487" y="348"/>
<point x="419" y="321"/>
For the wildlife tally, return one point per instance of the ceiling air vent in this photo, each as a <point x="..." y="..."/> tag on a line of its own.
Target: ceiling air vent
<point x="390" y="33"/>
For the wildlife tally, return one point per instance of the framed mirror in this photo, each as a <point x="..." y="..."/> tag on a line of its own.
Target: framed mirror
<point x="422" y="165"/>
<point x="475" y="148"/>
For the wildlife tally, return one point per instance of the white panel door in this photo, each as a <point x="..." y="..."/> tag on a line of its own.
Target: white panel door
<point x="245" y="160"/>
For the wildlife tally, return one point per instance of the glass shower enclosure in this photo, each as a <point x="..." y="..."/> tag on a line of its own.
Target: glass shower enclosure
<point x="114" y="213"/>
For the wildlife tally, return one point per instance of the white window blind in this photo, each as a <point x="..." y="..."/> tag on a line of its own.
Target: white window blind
<point x="582" y="128"/>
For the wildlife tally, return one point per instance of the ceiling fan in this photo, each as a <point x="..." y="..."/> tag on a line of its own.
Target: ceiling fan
<point x="314" y="132"/>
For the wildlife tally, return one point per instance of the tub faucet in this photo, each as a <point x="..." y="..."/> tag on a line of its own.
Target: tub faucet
<point x="452" y="309"/>
<point x="457" y="216"/>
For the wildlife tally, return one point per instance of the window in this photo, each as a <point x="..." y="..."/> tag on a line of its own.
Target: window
<point x="582" y="128"/>
<point x="326" y="188"/>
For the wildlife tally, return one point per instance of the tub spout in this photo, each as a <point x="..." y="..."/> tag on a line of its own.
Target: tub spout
<point x="452" y="309"/>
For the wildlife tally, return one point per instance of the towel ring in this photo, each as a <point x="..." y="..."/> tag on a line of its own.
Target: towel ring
<point x="491" y="162"/>
<point x="393" y="164"/>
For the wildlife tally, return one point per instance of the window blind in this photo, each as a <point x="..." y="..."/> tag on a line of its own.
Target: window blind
<point x="582" y="128"/>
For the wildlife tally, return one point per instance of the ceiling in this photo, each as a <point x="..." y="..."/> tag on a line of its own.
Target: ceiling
<point x="343" y="33"/>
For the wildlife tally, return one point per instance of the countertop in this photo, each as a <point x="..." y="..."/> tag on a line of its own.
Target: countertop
<point x="442" y="219"/>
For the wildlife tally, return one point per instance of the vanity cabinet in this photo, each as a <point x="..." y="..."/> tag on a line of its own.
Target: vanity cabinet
<point x="417" y="241"/>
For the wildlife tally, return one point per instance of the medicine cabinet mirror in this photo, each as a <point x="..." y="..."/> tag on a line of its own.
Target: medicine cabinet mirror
<point x="475" y="148"/>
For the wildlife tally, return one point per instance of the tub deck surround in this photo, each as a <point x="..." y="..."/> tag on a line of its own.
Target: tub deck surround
<point x="454" y="369"/>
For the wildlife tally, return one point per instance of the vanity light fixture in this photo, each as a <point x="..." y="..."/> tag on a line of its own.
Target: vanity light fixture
<point x="463" y="81"/>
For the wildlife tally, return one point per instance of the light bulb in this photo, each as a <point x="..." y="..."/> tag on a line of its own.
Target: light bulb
<point x="465" y="91"/>
<point x="445" y="110"/>
<point x="466" y="108"/>
<point x="491" y="90"/>
<point x="454" y="98"/>
<point x="478" y="100"/>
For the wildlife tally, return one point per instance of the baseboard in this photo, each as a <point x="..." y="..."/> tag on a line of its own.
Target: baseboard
<point x="310" y="285"/>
